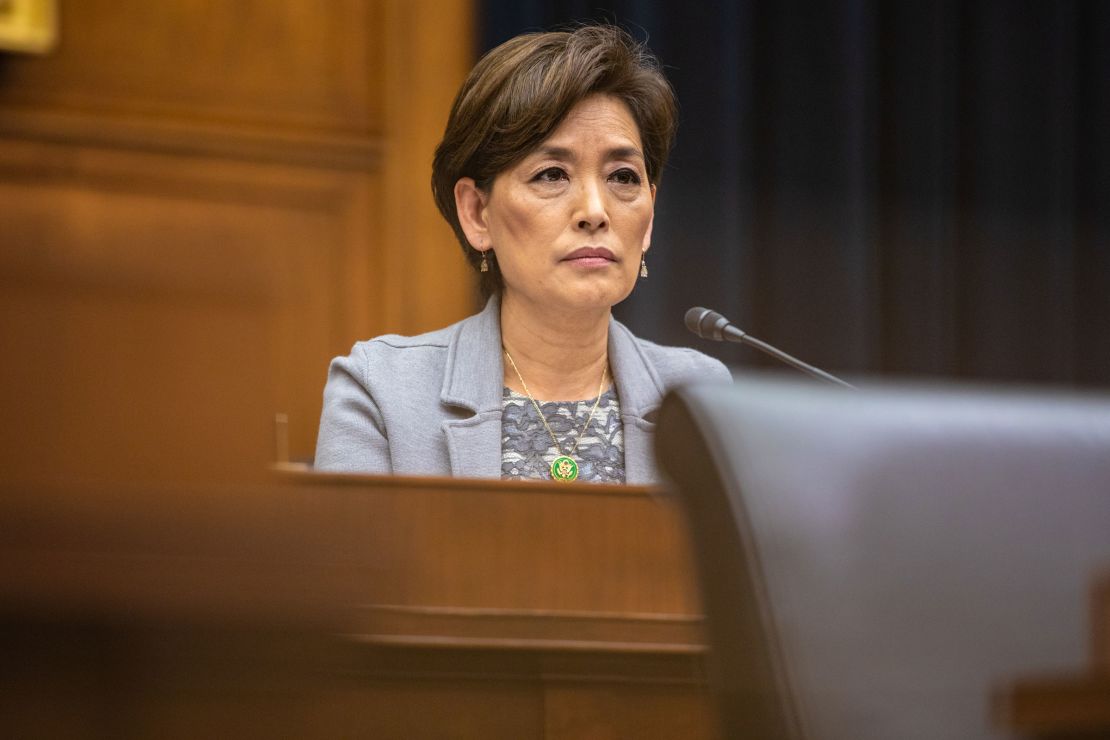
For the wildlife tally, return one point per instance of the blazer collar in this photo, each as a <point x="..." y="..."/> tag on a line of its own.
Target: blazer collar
<point x="641" y="392"/>
<point x="473" y="379"/>
<point x="638" y="384"/>
<point x="473" y="375"/>
<point x="474" y="372"/>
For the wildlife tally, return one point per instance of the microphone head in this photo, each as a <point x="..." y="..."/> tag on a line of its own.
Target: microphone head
<point x="693" y="319"/>
<point x="706" y="324"/>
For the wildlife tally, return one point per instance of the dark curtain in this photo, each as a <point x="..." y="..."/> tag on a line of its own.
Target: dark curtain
<point x="889" y="188"/>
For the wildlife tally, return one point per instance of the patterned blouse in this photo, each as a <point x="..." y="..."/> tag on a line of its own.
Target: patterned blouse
<point x="526" y="449"/>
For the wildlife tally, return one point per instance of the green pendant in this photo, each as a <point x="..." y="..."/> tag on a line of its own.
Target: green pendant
<point x="564" y="469"/>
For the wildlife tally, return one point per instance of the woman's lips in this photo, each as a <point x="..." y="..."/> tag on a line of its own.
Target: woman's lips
<point x="590" y="257"/>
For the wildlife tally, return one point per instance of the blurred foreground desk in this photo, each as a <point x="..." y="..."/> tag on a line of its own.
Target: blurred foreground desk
<point x="344" y="606"/>
<point x="1066" y="707"/>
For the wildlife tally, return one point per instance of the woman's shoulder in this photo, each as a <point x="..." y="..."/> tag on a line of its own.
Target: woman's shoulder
<point x="387" y="345"/>
<point x="402" y="348"/>
<point x="399" y="356"/>
<point x="679" y="364"/>
<point x="685" y="362"/>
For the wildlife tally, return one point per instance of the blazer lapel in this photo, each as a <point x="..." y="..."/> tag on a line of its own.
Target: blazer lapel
<point x="640" y="392"/>
<point x="639" y="452"/>
<point x="472" y="389"/>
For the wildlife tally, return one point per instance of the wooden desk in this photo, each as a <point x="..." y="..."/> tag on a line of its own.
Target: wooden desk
<point x="568" y="611"/>
<point x="338" y="606"/>
<point x="1075" y="706"/>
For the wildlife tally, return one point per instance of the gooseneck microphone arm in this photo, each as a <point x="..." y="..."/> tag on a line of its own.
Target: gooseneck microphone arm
<point x="712" y="325"/>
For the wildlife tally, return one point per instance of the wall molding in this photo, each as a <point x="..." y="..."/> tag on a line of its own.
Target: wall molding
<point x="187" y="138"/>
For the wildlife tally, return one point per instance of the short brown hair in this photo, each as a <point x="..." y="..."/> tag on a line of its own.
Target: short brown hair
<point x="519" y="92"/>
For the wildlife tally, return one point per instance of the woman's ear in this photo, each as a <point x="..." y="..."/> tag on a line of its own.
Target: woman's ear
<point x="647" y="234"/>
<point x="470" y="203"/>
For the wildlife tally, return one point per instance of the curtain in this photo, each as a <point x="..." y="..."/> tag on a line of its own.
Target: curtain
<point x="884" y="188"/>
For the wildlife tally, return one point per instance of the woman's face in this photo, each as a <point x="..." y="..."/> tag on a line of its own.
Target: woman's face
<point x="569" y="222"/>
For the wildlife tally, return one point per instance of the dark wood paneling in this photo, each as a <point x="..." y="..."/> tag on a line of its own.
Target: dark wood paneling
<point x="1100" y="623"/>
<point x="645" y="712"/>
<point x="263" y="63"/>
<point x="202" y="204"/>
<point x="426" y="61"/>
<point x="677" y="634"/>
<point x="164" y="308"/>
<point x="258" y="611"/>
<point x="616" y="550"/>
<point x="192" y="139"/>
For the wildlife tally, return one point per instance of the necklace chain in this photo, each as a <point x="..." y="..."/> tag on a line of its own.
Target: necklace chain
<point x="554" y="441"/>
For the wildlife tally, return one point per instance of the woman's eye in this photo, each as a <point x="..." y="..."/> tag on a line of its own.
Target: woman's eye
<point x="625" y="176"/>
<point x="551" y="174"/>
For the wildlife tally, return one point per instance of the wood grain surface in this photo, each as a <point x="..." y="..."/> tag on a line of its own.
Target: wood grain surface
<point x="338" y="606"/>
<point x="202" y="204"/>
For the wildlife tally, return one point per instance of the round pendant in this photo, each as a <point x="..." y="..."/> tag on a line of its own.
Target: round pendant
<point x="564" y="469"/>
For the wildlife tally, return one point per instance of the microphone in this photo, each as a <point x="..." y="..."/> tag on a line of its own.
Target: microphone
<point x="712" y="325"/>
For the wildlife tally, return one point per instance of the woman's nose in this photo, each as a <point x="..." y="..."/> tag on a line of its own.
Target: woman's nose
<point x="592" y="214"/>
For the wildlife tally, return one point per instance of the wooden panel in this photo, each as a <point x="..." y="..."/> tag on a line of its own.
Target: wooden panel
<point x="124" y="679"/>
<point x="192" y="138"/>
<point x="514" y="567"/>
<point x="587" y="549"/>
<point x="586" y="712"/>
<point x="195" y="223"/>
<point x="524" y="694"/>
<point x="1056" y="707"/>
<point x="1100" y="624"/>
<point x="431" y="709"/>
<point x="198" y="554"/>
<point x="1064" y="706"/>
<point x="163" y="309"/>
<point x="226" y="611"/>
<point x="427" y="59"/>
<point x="258" y="62"/>
<point x="540" y="629"/>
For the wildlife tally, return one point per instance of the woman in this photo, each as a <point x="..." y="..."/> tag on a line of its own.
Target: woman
<point x="547" y="173"/>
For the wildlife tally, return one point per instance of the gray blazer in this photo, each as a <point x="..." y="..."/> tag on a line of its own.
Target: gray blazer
<point x="431" y="404"/>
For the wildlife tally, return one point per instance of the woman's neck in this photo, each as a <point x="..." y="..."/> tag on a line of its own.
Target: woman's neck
<point x="560" y="356"/>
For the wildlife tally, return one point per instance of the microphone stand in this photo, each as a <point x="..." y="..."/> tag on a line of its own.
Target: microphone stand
<point x="709" y="324"/>
<point x="794" y="362"/>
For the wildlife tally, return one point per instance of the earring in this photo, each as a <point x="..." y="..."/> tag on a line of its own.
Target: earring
<point x="484" y="267"/>
<point x="643" y="266"/>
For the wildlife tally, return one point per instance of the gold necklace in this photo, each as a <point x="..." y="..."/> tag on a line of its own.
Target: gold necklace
<point x="564" y="468"/>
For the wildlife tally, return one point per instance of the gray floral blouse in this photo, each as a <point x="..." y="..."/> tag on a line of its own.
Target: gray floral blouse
<point x="526" y="449"/>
